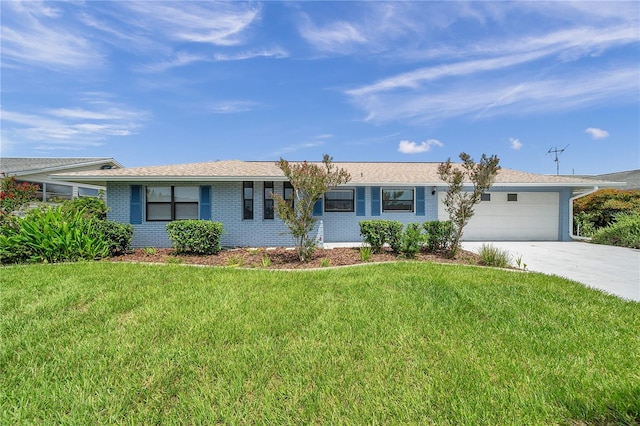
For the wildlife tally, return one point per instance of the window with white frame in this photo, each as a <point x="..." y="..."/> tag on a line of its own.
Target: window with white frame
<point x="166" y="203"/>
<point x="397" y="200"/>
<point x="339" y="200"/>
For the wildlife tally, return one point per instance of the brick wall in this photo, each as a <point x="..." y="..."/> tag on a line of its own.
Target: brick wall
<point x="226" y="207"/>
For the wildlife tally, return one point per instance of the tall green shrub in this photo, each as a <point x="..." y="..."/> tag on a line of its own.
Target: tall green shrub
<point x="624" y="231"/>
<point x="377" y="232"/>
<point x="118" y="236"/>
<point x="602" y="207"/>
<point x="439" y="235"/>
<point x="50" y="235"/>
<point x="411" y="240"/>
<point x="195" y="236"/>
<point x="92" y="207"/>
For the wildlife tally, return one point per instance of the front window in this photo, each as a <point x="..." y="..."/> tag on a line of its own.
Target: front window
<point x="268" y="200"/>
<point x="166" y="203"/>
<point x="397" y="200"/>
<point x="247" y="200"/>
<point x="56" y="192"/>
<point x="339" y="201"/>
<point x="289" y="193"/>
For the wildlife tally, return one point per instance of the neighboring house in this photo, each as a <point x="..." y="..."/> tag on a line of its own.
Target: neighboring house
<point x="39" y="170"/>
<point x="520" y="206"/>
<point x="631" y="178"/>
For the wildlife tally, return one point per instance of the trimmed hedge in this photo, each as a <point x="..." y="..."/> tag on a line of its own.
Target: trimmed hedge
<point x="377" y="232"/>
<point x="439" y="235"/>
<point x="195" y="236"/>
<point x="118" y="236"/>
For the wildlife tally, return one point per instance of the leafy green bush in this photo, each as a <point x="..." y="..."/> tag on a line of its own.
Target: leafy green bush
<point x="374" y="233"/>
<point x="195" y="236"/>
<point x="439" y="235"/>
<point x="604" y="205"/>
<point x="624" y="231"/>
<point x="50" y="235"/>
<point x="378" y="232"/>
<point x="494" y="256"/>
<point x="118" y="236"/>
<point x="92" y="207"/>
<point x="411" y="240"/>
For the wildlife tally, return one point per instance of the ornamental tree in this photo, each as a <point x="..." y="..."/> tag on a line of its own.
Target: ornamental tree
<point x="310" y="181"/>
<point x="459" y="203"/>
<point x="14" y="195"/>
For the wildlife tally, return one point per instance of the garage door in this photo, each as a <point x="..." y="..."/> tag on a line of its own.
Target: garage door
<point x="519" y="216"/>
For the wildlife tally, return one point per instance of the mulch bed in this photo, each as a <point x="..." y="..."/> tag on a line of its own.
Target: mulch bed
<point x="283" y="258"/>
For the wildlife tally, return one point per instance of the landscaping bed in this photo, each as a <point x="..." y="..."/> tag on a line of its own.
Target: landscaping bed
<point x="283" y="258"/>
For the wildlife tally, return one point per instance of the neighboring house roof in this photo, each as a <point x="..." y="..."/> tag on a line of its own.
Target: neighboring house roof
<point x="369" y="173"/>
<point x="14" y="166"/>
<point x="631" y="177"/>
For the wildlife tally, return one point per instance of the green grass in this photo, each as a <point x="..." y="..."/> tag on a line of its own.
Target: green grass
<point x="107" y="343"/>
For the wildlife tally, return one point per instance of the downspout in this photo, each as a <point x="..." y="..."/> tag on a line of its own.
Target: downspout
<point x="584" y="194"/>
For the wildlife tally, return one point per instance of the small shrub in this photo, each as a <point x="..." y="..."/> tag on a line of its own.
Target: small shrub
<point x="173" y="260"/>
<point x="411" y="240"/>
<point x="118" y="236"/>
<point x="91" y="207"/>
<point x="494" y="256"/>
<point x="378" y="232"/>
<point x="150" y="251"/>
<point x="195" y="236"/>
<point x="439" y="235"/>
<point x="325" y="263"/>
<point x="624" y="232"/>
<point x="365" y="253"/>
<point x="265" y="261"/>
<point x="236" y="260"/>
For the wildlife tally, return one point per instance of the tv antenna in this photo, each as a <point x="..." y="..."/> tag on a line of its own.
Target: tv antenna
<point x="557" y="152"/>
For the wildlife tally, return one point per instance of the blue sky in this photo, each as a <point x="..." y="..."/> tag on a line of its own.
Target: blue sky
<point x="153" y="83"/>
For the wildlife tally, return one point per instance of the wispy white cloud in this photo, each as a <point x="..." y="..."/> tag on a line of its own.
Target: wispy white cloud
<point x="217" y="23"/>
<point x="338" y="36"/>
<point x="597" y="133"/>
<point x="515" y="143"/>
<point x="71" y="127"/>
<point x="500" y="96"/>
<point x="33" y="34"/>
<point x="410" y="147"/>
<point x="230" y="107"/>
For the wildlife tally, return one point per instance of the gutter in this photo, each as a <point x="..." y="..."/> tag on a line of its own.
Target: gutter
<point x="584" y="194"/>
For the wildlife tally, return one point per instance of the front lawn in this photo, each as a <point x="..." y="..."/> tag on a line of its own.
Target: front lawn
<point x="396" y="343"/>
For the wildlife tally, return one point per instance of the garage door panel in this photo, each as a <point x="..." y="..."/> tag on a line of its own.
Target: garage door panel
<point x="535" y="216"/>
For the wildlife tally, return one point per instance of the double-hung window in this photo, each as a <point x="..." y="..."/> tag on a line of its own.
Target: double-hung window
<point x="339" y="200"/>
<point x="397" y="200"/>
<point x="247" y="200"/>
<point x="268" y="200"/>
<point x="165" y="203"/>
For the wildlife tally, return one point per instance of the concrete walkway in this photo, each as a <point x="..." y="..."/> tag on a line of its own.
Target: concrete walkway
<point x="616" y="270"/>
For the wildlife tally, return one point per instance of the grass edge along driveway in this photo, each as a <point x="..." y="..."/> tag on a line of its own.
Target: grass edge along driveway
<point x="396" y="343"/>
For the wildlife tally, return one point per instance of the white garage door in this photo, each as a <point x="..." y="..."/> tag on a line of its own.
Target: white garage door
<point x="534" y="216"/>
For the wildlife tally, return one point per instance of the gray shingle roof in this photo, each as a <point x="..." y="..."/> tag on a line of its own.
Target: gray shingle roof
<point x="371" y="173"/>
<point x="28" y="165"/>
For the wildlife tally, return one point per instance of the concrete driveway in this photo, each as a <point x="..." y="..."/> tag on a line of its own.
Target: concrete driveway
<point x="616" y="270"/>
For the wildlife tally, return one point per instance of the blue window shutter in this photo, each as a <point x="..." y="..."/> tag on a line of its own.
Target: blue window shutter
<point x="360" y="207"/>
<point x="135" y="207"/>
<point x="420" y="201"/>
<point x="205" y="202"/>
<point x="317" y="208"/>
<point x="375" y="201"/>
